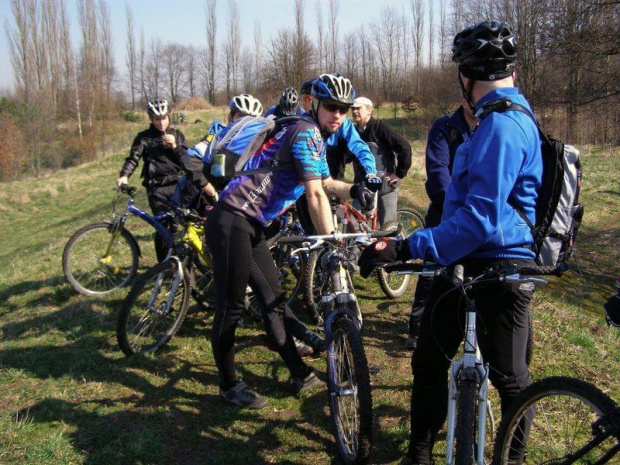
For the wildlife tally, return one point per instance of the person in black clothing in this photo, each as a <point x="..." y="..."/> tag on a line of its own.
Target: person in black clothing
<point x="392" y="156"/>
<point x="163" y="150"/>
<point x="444" y="137"/>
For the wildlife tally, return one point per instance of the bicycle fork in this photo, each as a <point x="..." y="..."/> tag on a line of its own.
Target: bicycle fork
<point x="469" y="367"/>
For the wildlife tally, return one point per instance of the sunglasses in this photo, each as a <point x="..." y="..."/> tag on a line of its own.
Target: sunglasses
<point x="333" y="107"/>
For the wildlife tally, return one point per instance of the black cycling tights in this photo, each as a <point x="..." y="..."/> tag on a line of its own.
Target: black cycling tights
<point x="502" y="329"/>
<point x="241" y="255"/>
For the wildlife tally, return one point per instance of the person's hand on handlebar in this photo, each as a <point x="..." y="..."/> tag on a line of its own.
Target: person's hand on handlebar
<point x="120" y="181"/>
<point x="364" y="196"/>
<point x="381" y="253"/>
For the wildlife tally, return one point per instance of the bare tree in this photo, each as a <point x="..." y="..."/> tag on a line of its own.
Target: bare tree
<point x="258" y="56"/>
<point x="320" y="37"/>
<point x="172" y="59"/>
<point x="191" y="69"/>
<point x="332" y="58"/>
<point x="211" y="47"/>
<point x="417" y="9"/>
<point x="132" y="58"/>
<point x="444" y="35"/>
<point x="431" y="34"/>
<point x="389" y="41"/>
<point x="106" y="48"/>
<point x="232" y="48"/>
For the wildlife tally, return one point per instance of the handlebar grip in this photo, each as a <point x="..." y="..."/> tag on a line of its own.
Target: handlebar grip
<point x="458" y="275"/>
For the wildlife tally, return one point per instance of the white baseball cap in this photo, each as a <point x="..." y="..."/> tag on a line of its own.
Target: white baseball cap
<point x="359" y="101"/>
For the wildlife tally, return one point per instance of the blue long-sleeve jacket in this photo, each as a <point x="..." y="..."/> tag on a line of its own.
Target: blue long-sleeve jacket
<point x="347" y="137"/>
<point x="444" y="138"/>
<point x="500" y="160"/>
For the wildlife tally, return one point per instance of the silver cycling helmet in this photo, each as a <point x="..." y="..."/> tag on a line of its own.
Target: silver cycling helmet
<point x="157" y="107"/>
<point x="246" y="104"/>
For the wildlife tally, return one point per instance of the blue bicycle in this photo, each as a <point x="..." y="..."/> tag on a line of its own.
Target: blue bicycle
<point x="103" y="257"/>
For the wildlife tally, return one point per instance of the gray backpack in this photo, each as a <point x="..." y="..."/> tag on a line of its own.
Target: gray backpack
<point x="558" y="211"/>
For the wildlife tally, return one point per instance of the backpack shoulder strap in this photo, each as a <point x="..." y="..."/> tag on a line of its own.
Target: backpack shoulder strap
<point x="501" y="106"/>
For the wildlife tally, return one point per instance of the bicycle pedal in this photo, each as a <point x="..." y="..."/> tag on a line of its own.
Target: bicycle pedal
<point x="374" y="369"/>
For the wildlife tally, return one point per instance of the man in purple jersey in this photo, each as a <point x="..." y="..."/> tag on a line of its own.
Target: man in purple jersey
<point x="235" y="233"/>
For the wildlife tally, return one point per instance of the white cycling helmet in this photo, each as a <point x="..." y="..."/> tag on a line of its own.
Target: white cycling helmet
<point x="157" y="107"/>
<point x="246" y="104"/>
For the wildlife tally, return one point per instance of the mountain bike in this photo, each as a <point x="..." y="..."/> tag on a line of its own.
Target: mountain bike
<point x="349" y="390"/>
<point x="349" y="219"/>
<point x="102" y="257"/>
<point x="560" y="420"/>
<point x="157" y="303"/>
<point x="468" y="404"/>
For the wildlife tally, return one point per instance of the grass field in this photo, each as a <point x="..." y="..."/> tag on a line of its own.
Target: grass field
<point x="70" y="396"/>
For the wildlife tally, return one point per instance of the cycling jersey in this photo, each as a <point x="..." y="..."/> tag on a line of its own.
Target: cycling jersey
<point x="500" y="161"/>
<point x="299" y="151"/>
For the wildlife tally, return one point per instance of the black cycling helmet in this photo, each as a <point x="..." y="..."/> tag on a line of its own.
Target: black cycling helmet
<point x="485" y="52"/>
<point x="157" y="107"/>
<point x="306" y="87"/>
<point x="289" y="100"/>
<point x="333" y="87"/>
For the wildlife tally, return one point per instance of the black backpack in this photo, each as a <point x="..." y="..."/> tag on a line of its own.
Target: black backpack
<point x="558" y="211"/>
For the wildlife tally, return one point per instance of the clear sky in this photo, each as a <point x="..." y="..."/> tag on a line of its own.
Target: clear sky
<point x="183" y="21"/>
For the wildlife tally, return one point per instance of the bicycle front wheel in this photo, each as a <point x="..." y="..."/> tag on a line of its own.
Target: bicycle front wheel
<point x="551" y="419"/>
<point x="465" y="426"/>
<point x="97" y="262"/>
<point x="153" y="310"/>
<point x="350" y="399"/>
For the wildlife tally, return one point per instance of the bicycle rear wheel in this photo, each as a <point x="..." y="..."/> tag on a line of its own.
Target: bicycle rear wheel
<point x="92" y="272"/>
<point x="551" y="419"/>
<point x="153" y="310"/>
<point x="393" y="285"/>
<point x="350" y="399"/>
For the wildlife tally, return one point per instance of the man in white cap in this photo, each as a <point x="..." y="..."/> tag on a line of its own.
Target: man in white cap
<point x="392" y="155"/>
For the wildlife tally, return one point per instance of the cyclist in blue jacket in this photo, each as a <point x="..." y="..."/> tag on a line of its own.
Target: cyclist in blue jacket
<point x="499" y="166"/>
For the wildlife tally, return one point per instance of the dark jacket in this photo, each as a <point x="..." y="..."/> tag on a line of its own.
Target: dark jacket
<point x="394" y="155"/>
<point x="444" y="137"/>
<point x="162" y="165"/>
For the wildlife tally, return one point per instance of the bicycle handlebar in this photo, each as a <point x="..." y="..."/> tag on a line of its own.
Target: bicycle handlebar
<point x="337" y="236"/>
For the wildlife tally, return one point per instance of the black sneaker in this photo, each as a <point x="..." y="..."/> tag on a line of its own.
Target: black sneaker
<point x="240" y="394"/>
<point x="298" y="385"/>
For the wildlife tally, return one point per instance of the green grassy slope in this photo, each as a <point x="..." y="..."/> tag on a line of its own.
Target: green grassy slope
<point x="69" y="396"/>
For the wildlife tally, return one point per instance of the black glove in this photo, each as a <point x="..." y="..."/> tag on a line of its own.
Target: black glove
<point x="364" y="196"/>
<point x="381" y="253"/>
<point x="373" y="182"/>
